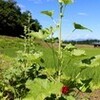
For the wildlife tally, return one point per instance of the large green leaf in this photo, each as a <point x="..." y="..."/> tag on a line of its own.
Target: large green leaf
<point x="79" y="26"/>
<point x="70" y="97"/>
<point x="48" y="13"/>
<point x="91" y="62"/>
<point x="96" y="62"/>
<point x="42" y="34"/>
<point x="69" y="47"/>
<point x="66" y="1"/>
<point x="42" y="88"/>
<point x="78" y="52"/>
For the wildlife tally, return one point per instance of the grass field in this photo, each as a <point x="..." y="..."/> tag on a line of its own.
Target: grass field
<point x="9" y="46"/>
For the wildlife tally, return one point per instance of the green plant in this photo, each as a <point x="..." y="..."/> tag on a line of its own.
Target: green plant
<point x="58" y="75"/>
<point x="28" y="80"/>
<point x="26" y="66"/>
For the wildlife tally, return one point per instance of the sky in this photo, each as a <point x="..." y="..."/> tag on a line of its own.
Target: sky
<point x="84" y="12"/>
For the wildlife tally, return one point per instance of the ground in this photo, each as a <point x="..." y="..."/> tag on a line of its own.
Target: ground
<point x="95" y="95"/>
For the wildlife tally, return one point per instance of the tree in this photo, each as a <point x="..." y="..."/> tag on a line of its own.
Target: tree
<point x="35" y="25"/>
<point x="12" y="20"/>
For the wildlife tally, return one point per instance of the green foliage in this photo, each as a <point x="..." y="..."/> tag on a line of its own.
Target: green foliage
<point x="42" y="34"/>
<point x="16" y="77"/>
<point x="78" y="52"/>
<point x="26" y="67"/>
<point x="27" y="79"/>
<point x="12" y="20"/>
<point x="78" y="26"/>
<point x="66" y="1"/>
<point x="69" y="47"/>
<point x="70" y="98"/>
<point x="92" y="62"/>
<point x="71" y="68"/>
<point x="42" y="88"/>
<point x="48" y="13"/>
<point x="27" y="20"/>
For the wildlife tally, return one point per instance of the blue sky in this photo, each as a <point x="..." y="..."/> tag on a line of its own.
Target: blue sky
<point x="85" y="12"/>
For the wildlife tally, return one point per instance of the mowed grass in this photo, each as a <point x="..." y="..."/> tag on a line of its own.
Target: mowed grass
<point x="10" y="45"/>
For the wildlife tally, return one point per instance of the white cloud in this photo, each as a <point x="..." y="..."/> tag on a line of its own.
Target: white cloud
<point x="82" y="14"/>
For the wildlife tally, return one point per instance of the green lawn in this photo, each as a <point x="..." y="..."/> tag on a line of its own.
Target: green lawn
<point x="9" y="46"/>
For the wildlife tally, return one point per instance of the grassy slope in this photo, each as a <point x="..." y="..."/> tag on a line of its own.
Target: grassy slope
<point x="9" y="46"/>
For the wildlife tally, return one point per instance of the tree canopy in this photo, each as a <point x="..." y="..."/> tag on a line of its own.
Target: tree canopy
<point x="12" y="20"/>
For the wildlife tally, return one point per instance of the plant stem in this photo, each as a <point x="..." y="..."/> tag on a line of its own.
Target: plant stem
<point x="60" y="28"/>
<point x="53" y="51"/>
<point x="59" y="48"/>
<point x="60" y="35"/>
<point x="60" y="41"/>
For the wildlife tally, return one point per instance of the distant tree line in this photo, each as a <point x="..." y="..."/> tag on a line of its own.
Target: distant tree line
<point x="12" y="20"/>
<point x="88" y="41"/>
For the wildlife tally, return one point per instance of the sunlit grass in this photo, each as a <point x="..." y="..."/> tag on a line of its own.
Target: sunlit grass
<point x="9" y="47"/>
